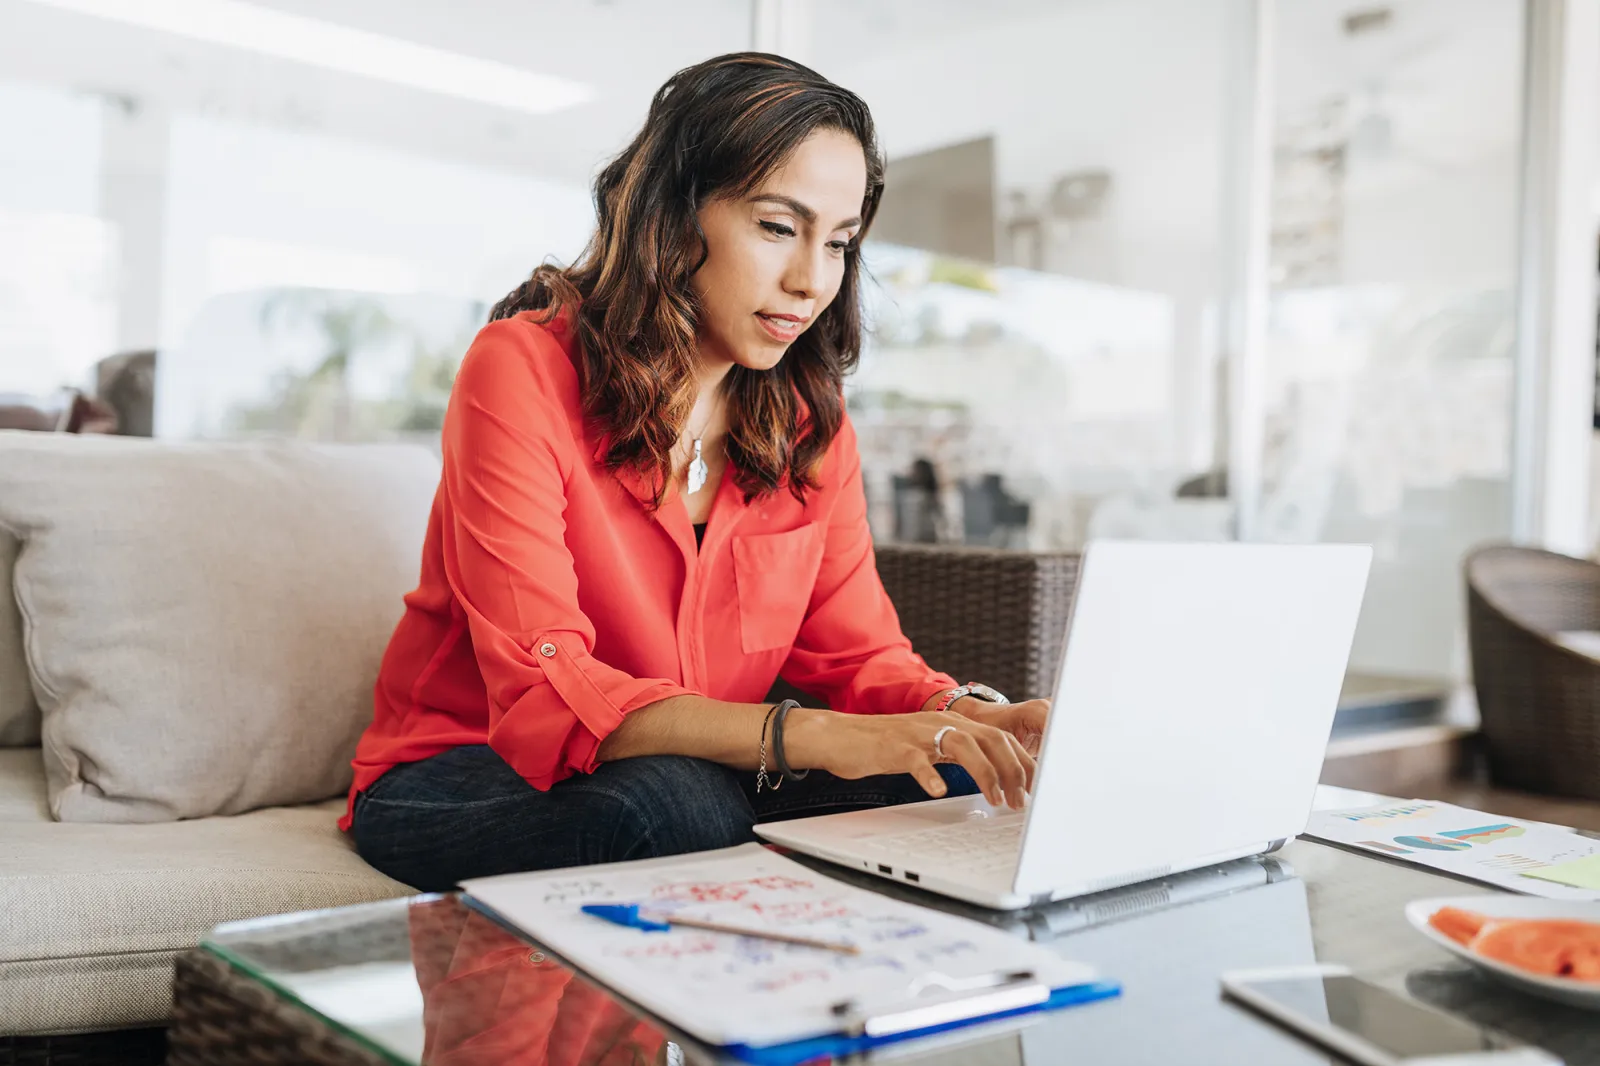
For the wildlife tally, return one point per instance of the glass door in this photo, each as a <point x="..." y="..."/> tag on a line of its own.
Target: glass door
<point x="1043" y="365"/>
<point x="1391" y="311"/>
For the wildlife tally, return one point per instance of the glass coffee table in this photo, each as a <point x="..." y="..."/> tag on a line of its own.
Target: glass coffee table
<point x="431" y="980"/>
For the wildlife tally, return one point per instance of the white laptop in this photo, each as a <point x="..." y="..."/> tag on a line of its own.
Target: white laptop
<point x="1194" y="704"/>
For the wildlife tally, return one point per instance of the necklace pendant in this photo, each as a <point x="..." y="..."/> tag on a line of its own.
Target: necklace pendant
<point x="697" y="471"/>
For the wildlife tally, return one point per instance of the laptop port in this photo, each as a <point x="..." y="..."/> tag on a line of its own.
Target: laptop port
<point x="912" y="877"/>
<point x="882" y="869"/>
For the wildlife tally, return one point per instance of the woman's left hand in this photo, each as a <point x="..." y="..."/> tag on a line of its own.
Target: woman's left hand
<point x="1025" y="720"/>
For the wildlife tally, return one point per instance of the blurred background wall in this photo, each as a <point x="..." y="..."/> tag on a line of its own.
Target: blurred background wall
<point x="1180" y="269"/>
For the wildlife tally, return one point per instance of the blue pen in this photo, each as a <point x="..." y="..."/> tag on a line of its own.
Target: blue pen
<point x="627" y="914"/>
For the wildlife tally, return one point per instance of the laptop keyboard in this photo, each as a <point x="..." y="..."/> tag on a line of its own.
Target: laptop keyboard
<point x="973" y="846"/>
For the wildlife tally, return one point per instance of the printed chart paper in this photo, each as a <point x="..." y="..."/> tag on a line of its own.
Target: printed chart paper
<point x="1580" y="873"/>
<point x="1484" y="847"/>
<point x="741" y="990"/>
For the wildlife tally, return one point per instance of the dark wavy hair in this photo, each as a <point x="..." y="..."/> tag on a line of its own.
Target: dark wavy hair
<point x="717" y="129"/>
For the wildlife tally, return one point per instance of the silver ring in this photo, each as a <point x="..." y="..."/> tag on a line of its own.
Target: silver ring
<point x="939" y="736"/>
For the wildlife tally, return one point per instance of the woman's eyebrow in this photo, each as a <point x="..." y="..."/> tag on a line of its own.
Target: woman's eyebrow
<point x="805" y="212"/>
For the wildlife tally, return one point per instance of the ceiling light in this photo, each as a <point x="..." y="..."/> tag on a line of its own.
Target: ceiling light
<point x="253" y="28"/>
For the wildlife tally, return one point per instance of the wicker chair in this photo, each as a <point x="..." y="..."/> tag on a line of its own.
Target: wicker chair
<point x="983" y="614"/>
<point x="1539" y="699"/>
<point x="978" y="614"/>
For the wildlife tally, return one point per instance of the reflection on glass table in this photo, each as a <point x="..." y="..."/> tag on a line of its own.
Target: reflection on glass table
<point x="429" y="980"/>
<point x="432" y="980"/>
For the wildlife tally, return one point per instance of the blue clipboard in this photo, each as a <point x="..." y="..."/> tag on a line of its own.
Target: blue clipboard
<point x="839" y="1044"/>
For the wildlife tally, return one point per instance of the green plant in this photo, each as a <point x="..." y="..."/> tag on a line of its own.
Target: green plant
<point x="320" y="403"/>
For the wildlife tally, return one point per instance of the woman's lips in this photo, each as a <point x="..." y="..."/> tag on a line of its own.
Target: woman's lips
<point x="781" y="329"/>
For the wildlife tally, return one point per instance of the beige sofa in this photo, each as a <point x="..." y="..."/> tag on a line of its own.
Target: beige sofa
<point x="188" y="639"/>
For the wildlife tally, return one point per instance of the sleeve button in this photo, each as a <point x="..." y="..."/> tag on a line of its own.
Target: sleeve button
<point x="548" y="650"/>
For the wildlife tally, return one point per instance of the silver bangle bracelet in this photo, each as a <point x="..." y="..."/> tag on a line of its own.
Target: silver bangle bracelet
<point x="785" y="771"/>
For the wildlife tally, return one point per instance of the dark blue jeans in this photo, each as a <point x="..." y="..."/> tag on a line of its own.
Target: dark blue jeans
<point x="466" y="813"/>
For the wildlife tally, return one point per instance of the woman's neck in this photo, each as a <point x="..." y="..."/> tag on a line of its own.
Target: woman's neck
<point x="708" y="383"/>
<point x="710" y="375"/>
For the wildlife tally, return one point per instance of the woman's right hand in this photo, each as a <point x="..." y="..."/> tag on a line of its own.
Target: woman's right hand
<point x="861" y="745"/>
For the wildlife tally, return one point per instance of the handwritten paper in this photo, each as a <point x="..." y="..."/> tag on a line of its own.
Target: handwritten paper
<point x="1504" y="852"/>
<point x="729" y="989"/>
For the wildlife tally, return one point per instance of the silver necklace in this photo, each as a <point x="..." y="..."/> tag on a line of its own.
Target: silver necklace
<point x="698" y="472"/>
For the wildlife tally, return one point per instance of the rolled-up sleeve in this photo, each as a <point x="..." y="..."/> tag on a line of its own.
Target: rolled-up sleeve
<point x="850" y="650"/>
<point x="507" y="453"/>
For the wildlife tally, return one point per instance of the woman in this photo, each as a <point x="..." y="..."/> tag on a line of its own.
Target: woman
<point x="652" y="506"/>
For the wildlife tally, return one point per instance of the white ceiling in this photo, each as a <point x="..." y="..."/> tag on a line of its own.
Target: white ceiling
<point x="626" y="48"/>
<point x="623" y="48"/>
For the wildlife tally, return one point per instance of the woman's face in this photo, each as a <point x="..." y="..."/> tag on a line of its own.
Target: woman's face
<point x="775" y="258"/>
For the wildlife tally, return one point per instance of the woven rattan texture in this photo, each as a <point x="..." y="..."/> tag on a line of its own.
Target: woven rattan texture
<point x="221" y="1017"/>
<point x="1539" y="701"/>
<point x="979" y="614"/>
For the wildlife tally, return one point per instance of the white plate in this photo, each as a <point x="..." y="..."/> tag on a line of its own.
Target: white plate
<point x="1561" y="989"/>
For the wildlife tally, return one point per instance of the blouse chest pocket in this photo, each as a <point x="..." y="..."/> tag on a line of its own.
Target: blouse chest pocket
<point x="775" y="574"/>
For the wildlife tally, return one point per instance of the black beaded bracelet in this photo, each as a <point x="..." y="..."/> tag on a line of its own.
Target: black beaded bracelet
<point x="784" y="770"/>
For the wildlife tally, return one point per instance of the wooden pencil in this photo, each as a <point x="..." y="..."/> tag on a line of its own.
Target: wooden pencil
<point x="785" y="938"/>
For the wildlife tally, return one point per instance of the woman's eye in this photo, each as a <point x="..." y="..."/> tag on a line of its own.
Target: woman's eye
<point x="777" y="227"/>
<point x="839" y="247"/>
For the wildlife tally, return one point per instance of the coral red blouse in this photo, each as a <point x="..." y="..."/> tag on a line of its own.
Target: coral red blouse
<point x="553" y="601"/>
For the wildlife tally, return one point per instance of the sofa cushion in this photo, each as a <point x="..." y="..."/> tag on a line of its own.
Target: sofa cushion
<point x="92" y="915"/>
<point x="206" y="620"/>
<point x="19" y="713"/>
